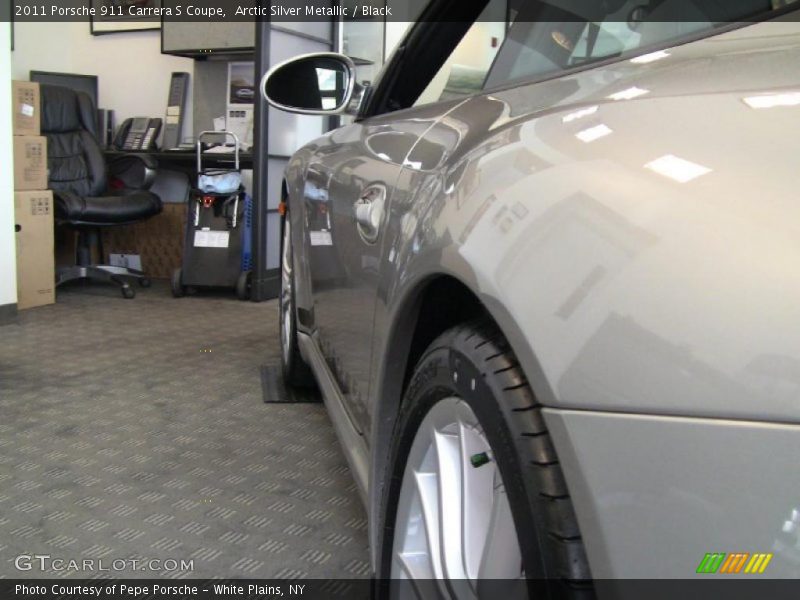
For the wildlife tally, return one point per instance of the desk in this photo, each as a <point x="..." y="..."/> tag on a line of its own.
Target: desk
<point x="188" y="158"/>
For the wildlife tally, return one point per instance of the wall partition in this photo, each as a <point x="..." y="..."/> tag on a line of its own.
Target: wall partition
<point x="280" y="134"/>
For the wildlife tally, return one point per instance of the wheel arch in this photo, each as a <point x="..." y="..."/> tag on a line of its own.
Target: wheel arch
<point x="419" y="317"/>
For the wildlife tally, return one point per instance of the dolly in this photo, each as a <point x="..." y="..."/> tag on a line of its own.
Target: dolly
<point x="215" y="249"/>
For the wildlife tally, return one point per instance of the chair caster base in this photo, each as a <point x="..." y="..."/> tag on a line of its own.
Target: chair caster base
<point x="106" y="273"/>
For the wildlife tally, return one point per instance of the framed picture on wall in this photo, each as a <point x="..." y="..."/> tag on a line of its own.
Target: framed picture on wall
<point x="116" y="16"/>
<point x="241" y="83"/>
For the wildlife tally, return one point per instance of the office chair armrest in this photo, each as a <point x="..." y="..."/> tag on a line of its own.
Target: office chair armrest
<point x="144" y="165"/>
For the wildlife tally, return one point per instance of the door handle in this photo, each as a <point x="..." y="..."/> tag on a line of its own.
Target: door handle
<point x="364" y="214"/>
<point x="368" y="211"/>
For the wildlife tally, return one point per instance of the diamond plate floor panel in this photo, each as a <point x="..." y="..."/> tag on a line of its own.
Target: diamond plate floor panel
<point x="136" y="429"/>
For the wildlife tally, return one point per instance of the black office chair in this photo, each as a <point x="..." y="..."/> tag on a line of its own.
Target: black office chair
<point x="79" y="179"/>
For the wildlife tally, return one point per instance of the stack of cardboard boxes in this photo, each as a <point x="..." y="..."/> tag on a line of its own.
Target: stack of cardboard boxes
<point x="33" y="202"/>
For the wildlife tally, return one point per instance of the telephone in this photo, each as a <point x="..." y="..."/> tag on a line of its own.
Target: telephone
<point x="139" y="133"/>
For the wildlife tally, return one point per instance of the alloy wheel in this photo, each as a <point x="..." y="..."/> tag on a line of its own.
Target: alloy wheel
<point x="453" y="520"/>
<point x="287" y="299"/>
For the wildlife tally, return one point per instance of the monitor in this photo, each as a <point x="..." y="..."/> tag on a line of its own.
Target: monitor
<point x="74" y="81"/>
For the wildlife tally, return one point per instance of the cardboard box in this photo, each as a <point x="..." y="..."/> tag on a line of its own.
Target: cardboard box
<point x="36" y="279"/>
<point x="25" y="95"/>
<point x="30" y="162"/>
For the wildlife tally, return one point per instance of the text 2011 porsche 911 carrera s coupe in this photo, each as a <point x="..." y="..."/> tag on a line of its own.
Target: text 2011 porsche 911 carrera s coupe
<point x="551" y="296"/>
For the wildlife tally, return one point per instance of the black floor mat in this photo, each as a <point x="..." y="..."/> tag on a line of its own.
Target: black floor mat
<point x="276" y="391"/>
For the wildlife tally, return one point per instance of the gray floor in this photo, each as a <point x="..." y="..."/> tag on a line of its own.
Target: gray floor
<point x="136" y="429"/>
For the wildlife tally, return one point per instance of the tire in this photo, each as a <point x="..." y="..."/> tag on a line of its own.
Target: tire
<point x="243" y="285"/>
<point x="471" y="369"/>
<point x="295" y="371"/>
<point x="128" y="292"/>
<point x="178" y="289"/>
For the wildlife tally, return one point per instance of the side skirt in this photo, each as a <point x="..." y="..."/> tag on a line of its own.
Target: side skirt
<point x="355" y="449"/>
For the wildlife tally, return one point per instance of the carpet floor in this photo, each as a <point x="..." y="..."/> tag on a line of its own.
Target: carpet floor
<point x="136" y="430"/>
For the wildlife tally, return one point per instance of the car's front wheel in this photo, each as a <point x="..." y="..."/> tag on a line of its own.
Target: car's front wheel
<point x="476" y="493"/>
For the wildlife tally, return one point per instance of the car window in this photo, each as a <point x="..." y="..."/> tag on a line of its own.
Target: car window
<point x="440" y="56"/>
<point x="465" y="70"/>
<point x="555" y="35"/>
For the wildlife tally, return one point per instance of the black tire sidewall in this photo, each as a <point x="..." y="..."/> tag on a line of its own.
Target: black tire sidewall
<point x="178" y="289"/>
<point x="433" y="381"/>
<point x="294" y="369"/>
<point x="243" y="285"/>
<point x="290" y="367"/>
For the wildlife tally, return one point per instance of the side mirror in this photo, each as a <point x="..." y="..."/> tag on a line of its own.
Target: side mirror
<point x="313" y="84"/>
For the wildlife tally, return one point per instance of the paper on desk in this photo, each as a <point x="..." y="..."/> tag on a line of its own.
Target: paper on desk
<point x="240" y="122"/>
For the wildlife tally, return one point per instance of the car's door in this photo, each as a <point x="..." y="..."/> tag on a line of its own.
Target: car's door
<point x="350" y="180"/>
<point x="352" y="174"/>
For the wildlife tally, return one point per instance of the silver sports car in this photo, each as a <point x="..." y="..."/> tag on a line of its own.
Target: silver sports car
<point x="551" y="294"/>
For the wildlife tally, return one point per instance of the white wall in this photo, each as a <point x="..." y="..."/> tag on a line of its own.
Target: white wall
<point x="8" y="251"/>
<point x="133" y="74"/>
<point x="395" y="30"/>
